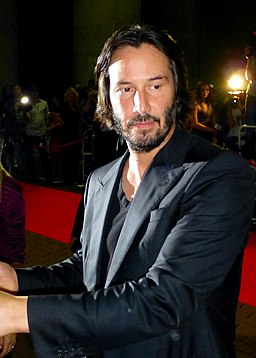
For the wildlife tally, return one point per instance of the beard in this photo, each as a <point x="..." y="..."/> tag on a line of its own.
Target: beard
<point x="146" y="141"/>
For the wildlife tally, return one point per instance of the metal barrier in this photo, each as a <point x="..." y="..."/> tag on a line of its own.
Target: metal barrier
<point x="88" y="152"/>
<point x="244" y="126"/>
<point x="252" y="165"/>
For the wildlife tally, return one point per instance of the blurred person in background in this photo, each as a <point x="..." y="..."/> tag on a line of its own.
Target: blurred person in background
<point x="54" y="132"/>
<point x="36" y="118"/>
<point x="7" y="126"/>
<point x="12" y="129"/>
<point x="71" y="136"/>
<point x="235" y="109"/>
<point x="203" y="121"/>
<point x="249" y="150"/>
<point x="18" y="131"/>
<point x="90" y="104"/>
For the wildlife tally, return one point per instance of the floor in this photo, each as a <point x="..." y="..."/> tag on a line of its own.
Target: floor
<point x="44" y="251"/>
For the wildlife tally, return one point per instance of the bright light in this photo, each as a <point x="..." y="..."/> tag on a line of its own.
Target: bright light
<point x="24" y="100"/>
<point x="236" y="82"/>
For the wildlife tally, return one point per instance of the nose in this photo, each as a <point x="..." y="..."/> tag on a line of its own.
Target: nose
<point x="141" y="103"/>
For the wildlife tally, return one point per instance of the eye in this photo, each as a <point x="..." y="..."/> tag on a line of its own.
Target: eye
<point x="125" y="89"/>
<point x="155" y="86"/>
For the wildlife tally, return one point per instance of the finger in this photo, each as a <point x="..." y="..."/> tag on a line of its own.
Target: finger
<point x="6" y="349"/>
<point x="8" y="344"/>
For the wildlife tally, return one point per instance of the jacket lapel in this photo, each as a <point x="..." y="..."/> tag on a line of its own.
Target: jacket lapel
<point x="160" y="177"/>
<point x="101" y="201"/>
<point x="144" y="202"/>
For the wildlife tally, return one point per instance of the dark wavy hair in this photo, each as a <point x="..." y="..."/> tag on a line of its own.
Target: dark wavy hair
<point x="135" y="36"/>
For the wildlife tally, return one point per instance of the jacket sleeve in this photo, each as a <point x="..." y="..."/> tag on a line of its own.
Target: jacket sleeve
<point x="210" y="233"/>
<point x="54" y="278"/>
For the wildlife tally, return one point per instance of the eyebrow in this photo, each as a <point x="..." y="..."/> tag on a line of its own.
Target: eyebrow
<point x="123" y="83"/>
<point x="149" y="79"/>
<point x="158" y="78"/>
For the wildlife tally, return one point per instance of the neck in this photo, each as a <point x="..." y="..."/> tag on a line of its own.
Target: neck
<point x="136" y="166"/>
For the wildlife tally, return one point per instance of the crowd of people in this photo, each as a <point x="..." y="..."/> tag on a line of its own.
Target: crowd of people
<point x="47" y="138"/>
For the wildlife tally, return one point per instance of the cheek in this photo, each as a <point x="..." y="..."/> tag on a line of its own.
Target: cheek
<point x="115" y="102"/>
<point x="116" y="108"/>
<point x="119" y="106"/>
<point x="164" y="103"/>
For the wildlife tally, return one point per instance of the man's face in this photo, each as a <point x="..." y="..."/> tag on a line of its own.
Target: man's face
<point x="141" y="95"/>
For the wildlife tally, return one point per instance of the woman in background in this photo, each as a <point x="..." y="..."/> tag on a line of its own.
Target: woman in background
<point x="203" y="122"/>
<point x="12" y="235"/>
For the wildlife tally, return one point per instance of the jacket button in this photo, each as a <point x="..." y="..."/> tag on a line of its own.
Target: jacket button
<point x="72" y="352"/>
<point x="175" y="335"/>
<point x="59" y="354"/>
<point x="80" y="352"/>
<point x="65" y="354"/>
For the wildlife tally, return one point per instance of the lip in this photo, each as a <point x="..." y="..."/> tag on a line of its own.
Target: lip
<point x="145" y="125"/>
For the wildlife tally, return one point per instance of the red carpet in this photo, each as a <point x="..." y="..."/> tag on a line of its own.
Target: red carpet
<point x="248" y="285"/>
<point x="50" y="212"/>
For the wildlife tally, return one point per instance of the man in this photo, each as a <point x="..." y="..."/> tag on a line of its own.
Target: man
<point x="35" y="130"/>
<point x="164" y="228"/>
<point x="249" y="149"/>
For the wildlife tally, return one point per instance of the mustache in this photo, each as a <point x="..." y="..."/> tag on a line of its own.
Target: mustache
<point x="142" y="118"/>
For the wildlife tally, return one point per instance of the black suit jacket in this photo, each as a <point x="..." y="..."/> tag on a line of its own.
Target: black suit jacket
<point x="173" y="283"/>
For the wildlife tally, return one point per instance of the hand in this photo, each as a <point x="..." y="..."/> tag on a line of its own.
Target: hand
<point x="214" y="132"/>
<point x="13" y="314"/>
<point x="214" y="140"/>
<point x="8" y="278"/>
<point x="7" y="344"/>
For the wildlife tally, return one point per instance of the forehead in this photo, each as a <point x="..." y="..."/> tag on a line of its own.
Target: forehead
<point x="143" y="60"/>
